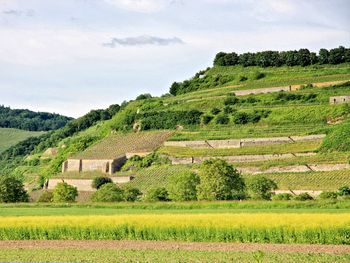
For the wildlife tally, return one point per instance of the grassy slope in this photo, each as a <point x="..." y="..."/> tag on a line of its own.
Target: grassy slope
<point x="9" y="137"/>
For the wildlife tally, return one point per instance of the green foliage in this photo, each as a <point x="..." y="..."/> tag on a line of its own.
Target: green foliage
<point x="215" y="111"/>
<point x="64" y="192"/>
<point x="182" y="186"/>
<point x="206" y="119"/>
<point x="109" y="192"/>
<point x="241" y="117"/>
<point x="219" y="181"/>
<point x="259" y="75"/>
<point x="284" y="96"/>
<point x="231" y="99"/>
<point x="338" y="139"/>
<point x="157" y="194"/>
<point x="12" y="190"/>
<point x="31" y="121"/>
<point x="303" y="197"/>
<point x="261" y="188"/>
<point x="344" y="191"/>
<point x="137" y="162"/>
<point x="97" y="182"/>
<point x="169" y="119"/>
<point x="144" y="96"/>
<point x="131" y="194"/>
<point x="328" y="195"/>
<point x="282" y="197"/>
<point x="45" y="197"/>
<point x="222" y="119"/>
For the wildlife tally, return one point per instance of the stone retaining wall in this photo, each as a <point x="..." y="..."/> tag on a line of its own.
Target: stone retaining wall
<point x="298" y="192"/>
<point x="85" y="184"/>
<point x="238" y="143"/>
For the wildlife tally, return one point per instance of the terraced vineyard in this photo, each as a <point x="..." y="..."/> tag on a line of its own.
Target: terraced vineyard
<point x="9" y="137"/>
<point x="119" y="144"/>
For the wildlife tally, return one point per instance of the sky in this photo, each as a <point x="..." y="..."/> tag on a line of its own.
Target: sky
<point x="72" y="56"/>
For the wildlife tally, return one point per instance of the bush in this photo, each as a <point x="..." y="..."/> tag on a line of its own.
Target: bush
<point x="241" y="118"/>
<point x="97" y="182"/>
<point x="282" y="197"/>
<point x="64" y="192"/>
<point x="261" y="187"/>
<point x="45" y="197"/>
<point x="109" y="192"/>
<point x="259" y="75"/>
<point x="215" y="111"/>
<point x="222" y="119"/>
<point x="207" y="118"/>
<point x="242" y="78"/>
<point x="131" y="194"/>
<point x="231" y="100"/>
<point x="344" y="191"/>
<point x="219" y="181"/>
<point x="12" y="191"/>
<point x="328" y="195"/>
<point x="157" y="194"/>
<point x="228" y="110"/>
<point x="303" y="197"/>
<point x="182" y="187"/>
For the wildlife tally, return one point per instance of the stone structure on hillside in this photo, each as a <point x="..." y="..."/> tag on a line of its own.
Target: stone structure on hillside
<point x="339" y="99"/>
<point x="85" y="165"/>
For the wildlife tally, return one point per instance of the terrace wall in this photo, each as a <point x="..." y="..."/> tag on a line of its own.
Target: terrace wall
<point x="238" y="143"/>
<point x="339" y="99"/>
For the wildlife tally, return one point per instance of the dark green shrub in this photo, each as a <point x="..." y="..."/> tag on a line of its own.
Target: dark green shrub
<point x="206" y="119"/>
<point x="222" y="119"/>
<point x="282" y="197"/>
<point x="228" y="110"/>
<point x="157" y="194"/>
<point x="328" y="195"/>
<point x="182" y="187"/>
<point x="261" y="187"/>
<point x="303" y="197"/>
<point x="109" y="192"/>
<point x="45" y="197"/>
<point x="215" y="111"/>
<point x="242" y="78"/>
<point x="64" y="192"/>
<point x="144" y="96"/>
<point x="131" y="194"/>
<point x="241" y="118"/>
<point x="231" y="100"/>
<point x="97" y="182"/>
<point x="12" y="190"/>
<point x="259" y="75"/>
<point x="219" y="181"/>
<point x="344" y="191"/>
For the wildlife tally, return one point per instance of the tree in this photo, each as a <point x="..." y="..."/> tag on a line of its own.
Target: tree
<point x="174" y="89"/>
<point x="222" y="119"/>
<point x="109" y="192"/>
<point x="230" y="59"/>
<point x="131" y="194"/>
<point x="261" y="187"/>
<point x="247" y="59"/>
<point x="219" y="181"/>
<point x="219" y="59"/>
<point x="144" y="96"/>
<point x="337" y="55"/>
<point x="97" y="182"/>
<point x="12" y="191"/>
<point x="304" y="58"/>
<point x="182" y="187"/>
<point x="344" y="191"/>
<point x="323" y="56"/>
<point x="157" y="194"/>
<point x="64" y="192"/>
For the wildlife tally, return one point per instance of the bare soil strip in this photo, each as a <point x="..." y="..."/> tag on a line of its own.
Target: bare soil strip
<point x="169" y="245"/>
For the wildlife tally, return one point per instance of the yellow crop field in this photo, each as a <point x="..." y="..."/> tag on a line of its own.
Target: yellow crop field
<point x="323" y="228"/>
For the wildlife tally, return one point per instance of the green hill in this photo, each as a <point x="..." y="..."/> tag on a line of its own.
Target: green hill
<point x="267" y="103"/>
<point x="10" y="137"/>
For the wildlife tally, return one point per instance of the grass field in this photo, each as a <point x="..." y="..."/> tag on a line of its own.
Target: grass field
<point x="154" y="255"/>
<point x="9" y="137"/>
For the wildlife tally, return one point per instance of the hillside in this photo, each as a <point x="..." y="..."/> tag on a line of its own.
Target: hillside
<point x="281" y="124"/>
<point x="30" y="120"/>
<point x="10" y="137"/>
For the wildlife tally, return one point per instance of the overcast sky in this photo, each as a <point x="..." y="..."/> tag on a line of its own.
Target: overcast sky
<point x="71" y="56"/>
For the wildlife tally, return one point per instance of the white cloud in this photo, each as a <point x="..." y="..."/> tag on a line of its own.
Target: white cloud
<point x="142" y="6"/>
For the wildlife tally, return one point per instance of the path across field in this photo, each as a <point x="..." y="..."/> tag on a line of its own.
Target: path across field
<point x="192" y="246"/>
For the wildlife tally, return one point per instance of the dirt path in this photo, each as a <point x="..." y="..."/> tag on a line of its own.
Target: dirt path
<point x="204" y="246"/>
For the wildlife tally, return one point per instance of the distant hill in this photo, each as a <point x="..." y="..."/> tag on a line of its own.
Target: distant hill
<point x="30" y="120"/>
<point x="9" y="137"/>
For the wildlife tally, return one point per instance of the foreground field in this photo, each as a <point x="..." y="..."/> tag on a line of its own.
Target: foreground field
<point x="136" y="251"/>
<point x="289" y="228"/>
